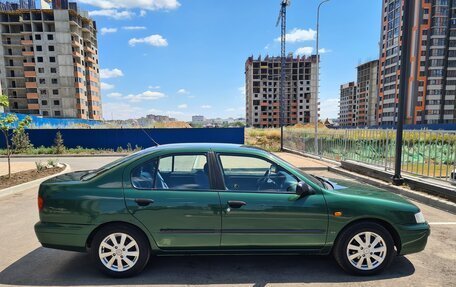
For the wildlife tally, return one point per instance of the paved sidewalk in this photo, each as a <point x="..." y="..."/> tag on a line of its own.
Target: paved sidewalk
<point x="16" y="166"/>
<point x="304" y="162"/>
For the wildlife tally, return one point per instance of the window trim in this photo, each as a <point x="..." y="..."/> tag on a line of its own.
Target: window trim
<point x="158" y="158"/>
<point x="222" y="173"/>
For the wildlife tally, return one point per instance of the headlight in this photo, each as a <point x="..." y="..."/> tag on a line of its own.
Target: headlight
<point x="419" y="217"/>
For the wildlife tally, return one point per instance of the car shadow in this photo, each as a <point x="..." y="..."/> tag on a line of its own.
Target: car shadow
<point x="58" y="268"/>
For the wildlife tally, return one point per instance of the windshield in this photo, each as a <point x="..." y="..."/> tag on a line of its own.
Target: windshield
<point x="306" y="175"/>
<point x="93" y="173"/>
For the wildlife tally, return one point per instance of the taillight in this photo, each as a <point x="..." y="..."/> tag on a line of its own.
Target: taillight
<point x="40" y="203"/>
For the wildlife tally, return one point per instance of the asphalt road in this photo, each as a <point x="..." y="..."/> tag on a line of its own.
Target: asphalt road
<point x="23" y="262"/>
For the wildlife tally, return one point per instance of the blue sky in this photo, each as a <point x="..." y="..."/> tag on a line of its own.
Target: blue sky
<point x="187" y="57"/>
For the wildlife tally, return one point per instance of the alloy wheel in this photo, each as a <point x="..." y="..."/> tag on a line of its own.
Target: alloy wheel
<point x="366" y="251"/>
<point x="118" y="252"/>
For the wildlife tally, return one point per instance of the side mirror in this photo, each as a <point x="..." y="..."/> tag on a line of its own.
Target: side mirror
<point x="303" y="189"/>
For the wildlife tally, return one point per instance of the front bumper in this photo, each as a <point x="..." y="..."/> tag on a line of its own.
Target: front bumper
<point x="414" y="238"/>
<point x="63" y="236"/>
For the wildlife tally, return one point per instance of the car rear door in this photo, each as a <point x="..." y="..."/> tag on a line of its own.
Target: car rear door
<point x="172" y="196"/>
<point x="263" y="211"/>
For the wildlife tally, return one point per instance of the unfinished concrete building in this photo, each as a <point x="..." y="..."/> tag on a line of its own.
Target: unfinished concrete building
<point x="367" y="94"/>
<point x="263" y="91"/>
<point x="347" y="114"/>
<point x="49" y="62"/>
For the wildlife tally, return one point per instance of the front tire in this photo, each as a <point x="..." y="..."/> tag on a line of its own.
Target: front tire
<point x="120" y="251"/>
<point x="364" y="249"/>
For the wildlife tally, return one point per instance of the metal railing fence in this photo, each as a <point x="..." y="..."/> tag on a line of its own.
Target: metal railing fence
<point x="425" y="153"/>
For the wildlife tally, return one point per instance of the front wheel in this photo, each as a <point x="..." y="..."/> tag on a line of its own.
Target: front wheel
<point x="120" y="251"/>
<point x="364" y="249"/>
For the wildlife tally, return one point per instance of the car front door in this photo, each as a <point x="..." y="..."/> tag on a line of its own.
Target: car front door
<point x="172" y="196"/>
<point x="260" y="208"/>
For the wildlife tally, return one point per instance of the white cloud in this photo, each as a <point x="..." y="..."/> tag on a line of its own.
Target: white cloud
<point x="106" y="86"/>
<point x="329" y="109"/>
<point x="142" y="13"/>
<point x="206" y="107"/>
<point x="304" y="51"/>
<point x="242" y="90"/>
<point x="114" y="95"/>
<point x="300" y="35"/>
<point x="145" y="96"/>
<point x="113" y="13"/>
<point x="105" y="31"/>
<point x="183" y="106"/>
<point x="131" y="4"/>
<point x="122" y="111"/>
<point x="153" y="40"/>
<point x="134" y="28"/>
<point x="108" y="74"/>
<point x="183" y="92"/>
<point x="307" y="51"/>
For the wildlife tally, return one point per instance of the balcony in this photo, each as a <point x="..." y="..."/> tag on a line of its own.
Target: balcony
<point x="30" y="74"/>
<point x="32" y="95"/>
<point x="29" y="64"/>
<point x="27" y="42"/>
<point x="33" y="106"/>
<point x="31" y="85"/>
<point x="28" y="53"/>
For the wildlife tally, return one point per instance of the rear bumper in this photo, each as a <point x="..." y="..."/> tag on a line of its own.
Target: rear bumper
<point x="63" y="236"/>
<point x="414" y="238"/>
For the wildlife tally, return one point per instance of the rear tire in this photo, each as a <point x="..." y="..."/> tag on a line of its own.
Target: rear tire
<point x="365" y="248"/>
<point x="120" y="251"/>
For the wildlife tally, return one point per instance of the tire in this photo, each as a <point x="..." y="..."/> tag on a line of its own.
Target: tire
<point x="374" y="259"/>
<point x="130" y="251"/>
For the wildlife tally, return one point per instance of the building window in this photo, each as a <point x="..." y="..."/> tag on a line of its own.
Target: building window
<point x="50" y="37"/>
<point x="55" y="92"/>
<point x="42" y="81"/>
<point x="45" y="113"/>
<point x="41" y="70"/>
<point x="55" y="81"/>
<point x="43" y="92"/>
<point x="51" y="49"/>
<point x="53" y="70"/>
<point x="39" y="48"/>
<point x="56" y="103"/>
<point x="52" y="59"/>
<point x="57" y="113"/>
<point x="37" y="37"/>
<point x="40" y="59"/>
<point x="44" y="103"/>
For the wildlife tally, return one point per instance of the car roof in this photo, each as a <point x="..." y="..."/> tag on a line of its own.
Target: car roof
<point x="197" y="147"/>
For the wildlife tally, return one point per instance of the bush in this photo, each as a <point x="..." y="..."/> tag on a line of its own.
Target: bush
<point x="53" y="163"/>
<point x="21" y="142"/>
<point x="40" y="166"/>
<point x="59" y="147"/>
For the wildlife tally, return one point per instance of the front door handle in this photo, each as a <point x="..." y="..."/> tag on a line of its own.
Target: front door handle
<point x="236" y="204"/>
<point x="144" y="201"/>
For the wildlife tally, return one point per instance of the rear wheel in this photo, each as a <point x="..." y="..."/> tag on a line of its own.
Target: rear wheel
<point x="120" y="251"/>
<point x="364" y="249"/>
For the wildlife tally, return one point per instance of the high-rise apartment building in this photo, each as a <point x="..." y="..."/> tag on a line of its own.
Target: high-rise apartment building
<point x="347" y="114"/>
<point x="367" y="94"/>
<point x="263" y="91"/>
<point x="431" y="72"/>
<point x="49" y="62"/>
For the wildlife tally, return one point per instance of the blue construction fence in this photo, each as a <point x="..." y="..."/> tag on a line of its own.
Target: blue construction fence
<point x="56" y="123"/>
<point x="144" y="138"/>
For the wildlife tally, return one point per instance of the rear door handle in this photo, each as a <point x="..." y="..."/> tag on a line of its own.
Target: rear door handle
<point x="236" y="204"/>
<point x="144" y="201"/>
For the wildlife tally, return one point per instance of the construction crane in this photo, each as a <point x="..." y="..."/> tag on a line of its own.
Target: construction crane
<point x="282" y="20"/>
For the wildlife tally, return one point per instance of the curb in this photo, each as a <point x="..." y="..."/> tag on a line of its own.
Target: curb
<point x="65" y="155"/>
<point x="421" y="197"/>
<point x="24" y="186"/>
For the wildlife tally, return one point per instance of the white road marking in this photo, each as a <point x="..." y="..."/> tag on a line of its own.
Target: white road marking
<point x="442" y="223"/>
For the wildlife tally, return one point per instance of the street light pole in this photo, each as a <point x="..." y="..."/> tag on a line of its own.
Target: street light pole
<point x="318" y="78"/>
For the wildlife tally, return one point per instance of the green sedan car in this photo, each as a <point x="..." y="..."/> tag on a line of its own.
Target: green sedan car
<point x="222" y="199"/>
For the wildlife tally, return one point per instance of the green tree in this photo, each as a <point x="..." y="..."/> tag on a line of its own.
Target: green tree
<point x="21" y="142"/>
<point x="9" y="123"/>
<point x="59" y="146"/>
